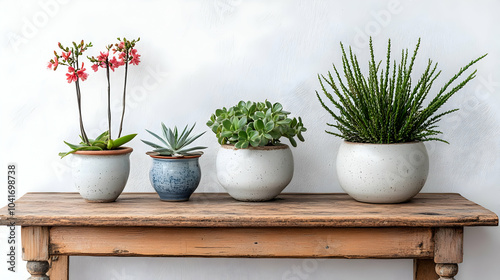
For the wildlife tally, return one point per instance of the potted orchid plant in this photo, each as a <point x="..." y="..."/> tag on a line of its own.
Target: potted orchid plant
<point x="102" y="164"/>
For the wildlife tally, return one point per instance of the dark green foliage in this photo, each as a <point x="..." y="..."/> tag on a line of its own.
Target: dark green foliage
<point x="385" y="108"/>
<point x="255" y="124"/>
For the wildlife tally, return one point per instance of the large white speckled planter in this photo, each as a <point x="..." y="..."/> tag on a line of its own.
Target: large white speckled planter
<point x="101" y="176"/>
<point x="382" y="173"/>
<point x="255" y="173"/>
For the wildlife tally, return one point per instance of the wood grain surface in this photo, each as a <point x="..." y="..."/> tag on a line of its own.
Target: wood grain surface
<point x="448" y="245"/>
<point x="59" y="267"/>
<point x="35" y="243"/>
<point x="424" y="269"/>
<point x="220" y="210"/>
<point x="244" y="242"/>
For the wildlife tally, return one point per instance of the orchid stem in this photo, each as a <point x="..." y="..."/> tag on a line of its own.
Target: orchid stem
<point x="109" y="100"/>
<point x="124" y="95"/>
<point x="79" y="100"/>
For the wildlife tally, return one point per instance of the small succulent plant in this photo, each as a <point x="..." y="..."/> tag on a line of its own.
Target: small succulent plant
<point x="175" y="145"/>
<point x="255" y="124"/>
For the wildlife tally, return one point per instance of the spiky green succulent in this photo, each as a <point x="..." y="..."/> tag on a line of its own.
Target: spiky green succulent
<point x="174" y="144"/>
<point x="384" y="106"/>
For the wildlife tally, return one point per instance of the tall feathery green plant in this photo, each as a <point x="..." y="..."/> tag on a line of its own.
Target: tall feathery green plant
<point x="384" y="108"/>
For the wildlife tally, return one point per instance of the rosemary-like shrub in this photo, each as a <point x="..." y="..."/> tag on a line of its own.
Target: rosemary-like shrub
<point x="385" y="108"/>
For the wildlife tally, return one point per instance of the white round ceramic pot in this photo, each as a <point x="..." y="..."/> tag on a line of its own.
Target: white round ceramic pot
<point x="382" y="173"/>
<point x="255" y="173"/>
<point x="101" y="176"/>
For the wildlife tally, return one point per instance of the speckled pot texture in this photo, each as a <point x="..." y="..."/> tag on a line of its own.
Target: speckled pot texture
<point x="382" y="173"/>
<point x="101" y="176"/>
<point x="175" y="179"/>
<point x="256" y="173"/>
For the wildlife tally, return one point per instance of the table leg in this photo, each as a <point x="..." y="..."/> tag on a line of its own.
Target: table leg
<point x="38" y="270"/>
<point x="59" y="267"/>
<point x="448" y="251"/>
<point x="447" y="270"/>
<point x="424" y="269"/>
<point x="35" y="244"/>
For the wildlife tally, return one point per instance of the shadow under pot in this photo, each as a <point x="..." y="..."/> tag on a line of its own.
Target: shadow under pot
<point x="101" y="176"/>
<point x="174" y="178"/>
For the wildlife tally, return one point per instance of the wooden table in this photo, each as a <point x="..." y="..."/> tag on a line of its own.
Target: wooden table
<point x="428" y="229"/>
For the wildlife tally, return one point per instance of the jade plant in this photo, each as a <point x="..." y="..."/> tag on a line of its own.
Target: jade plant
<point x="255" y="124"/>
<point x="386" y="107"/>
<point x="174" y="144"/>
<point x="70" y="57"/>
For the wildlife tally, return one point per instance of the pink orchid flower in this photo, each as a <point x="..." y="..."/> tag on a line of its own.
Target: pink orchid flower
<point x="103" y="56"/>
<point x="121" y="62"/>
<point x="81" y="73"/>
<point x="113" y="63"/>
<point x="66" y="56"/>
<point x="53" y="63"/>
<point x="135" y="57"/>
<point x="71" y="75"/>
<point x="135" y="60"/>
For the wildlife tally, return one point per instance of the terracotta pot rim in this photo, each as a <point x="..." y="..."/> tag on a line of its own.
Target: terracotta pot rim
<point x="263" y="148"/>
<point x="403" y="143"/>
<point x="169" y="157"/>
<point x="116" y="152"/>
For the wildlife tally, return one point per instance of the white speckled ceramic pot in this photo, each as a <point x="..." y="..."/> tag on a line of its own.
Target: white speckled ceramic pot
<point x="382" y="173"/>
<point x="255" y="173"/>
<point x="101" y="176"/>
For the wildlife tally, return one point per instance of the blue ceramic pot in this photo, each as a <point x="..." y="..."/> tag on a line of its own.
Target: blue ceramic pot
<point x="175" y="179"/>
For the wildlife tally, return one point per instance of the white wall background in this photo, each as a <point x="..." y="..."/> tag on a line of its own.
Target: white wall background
<point x="201" y="55"/>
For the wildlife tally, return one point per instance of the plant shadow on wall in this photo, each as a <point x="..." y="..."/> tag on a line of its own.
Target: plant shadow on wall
<point x="103" y="164"/>
<point x="384" y="123"/>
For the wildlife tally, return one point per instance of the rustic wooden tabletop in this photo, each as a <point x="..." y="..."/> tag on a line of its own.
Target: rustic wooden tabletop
<point x="220" y="210"/>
